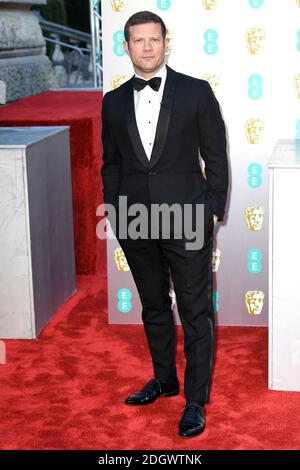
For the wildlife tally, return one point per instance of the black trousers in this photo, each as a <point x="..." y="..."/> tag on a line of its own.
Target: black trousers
<point x="151" y="263"/>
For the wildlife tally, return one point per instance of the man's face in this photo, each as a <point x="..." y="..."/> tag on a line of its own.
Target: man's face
<point x="146" y="48"/>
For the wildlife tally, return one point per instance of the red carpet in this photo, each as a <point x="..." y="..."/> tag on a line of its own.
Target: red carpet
<point x="81" y="111"/>
<point x="66" y="390"/>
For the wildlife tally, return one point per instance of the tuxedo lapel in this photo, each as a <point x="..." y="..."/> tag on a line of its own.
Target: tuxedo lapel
<point x="132" y="126"/>
<point x="164" y="117"/>
<point x="162" y="124"/>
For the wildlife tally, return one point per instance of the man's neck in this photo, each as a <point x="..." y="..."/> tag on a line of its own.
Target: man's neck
<point x="148" y="76"/>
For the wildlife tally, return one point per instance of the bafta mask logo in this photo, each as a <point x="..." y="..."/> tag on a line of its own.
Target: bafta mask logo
<point x="119" y="5"/>
<point x="210" y="4"/>
<point x="298" y="2"/>
<point x="216" y="258"/>
<point x="213" y="80"/>
<point x="254" y="300"/>
<point x="118" y="80"/>
<point x="297" y="83"/>
<point x="169" y="42"/>
<point x="121" y="260"/>
<point x="255" y="38"/>
<point x="254" y="130"/>
<point x="173" y="298"/>
<point x="254" y="218"/>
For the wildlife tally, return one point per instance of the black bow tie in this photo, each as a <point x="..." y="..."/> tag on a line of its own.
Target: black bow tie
<point x="139" y="83"/>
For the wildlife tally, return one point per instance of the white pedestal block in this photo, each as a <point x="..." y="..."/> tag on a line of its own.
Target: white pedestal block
<point x="284" y="259"/>
<point x="37" y="264"/>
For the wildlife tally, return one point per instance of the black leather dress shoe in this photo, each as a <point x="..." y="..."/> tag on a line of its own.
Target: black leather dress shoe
<point x="192" y="422"/>
<point x="152" y="391"/>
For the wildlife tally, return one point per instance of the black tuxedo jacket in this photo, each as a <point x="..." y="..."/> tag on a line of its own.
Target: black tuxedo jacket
<point x="189" y="121"/>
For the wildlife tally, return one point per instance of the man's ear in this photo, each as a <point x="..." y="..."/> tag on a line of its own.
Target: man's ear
<point x="166" y="43"/>
<point x="125" y="45"/>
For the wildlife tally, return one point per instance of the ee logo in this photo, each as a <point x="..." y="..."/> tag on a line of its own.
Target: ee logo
<point x="256" y="3"/>
<point x="124" y="304"/>
<point x="255" y="87"/>
<point x="254" y="261"/>
<point x="298" y="129"/>
<point x="118" y="39"/>
<point x="298" y="37"/>
<point x="163" y="4"/>
<point x="215" y="299"/>
<point x="210" y="45"/>
<point x="254" y="175"/>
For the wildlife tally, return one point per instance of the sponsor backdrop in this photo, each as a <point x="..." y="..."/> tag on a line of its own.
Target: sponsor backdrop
<point x="249" y="51"/>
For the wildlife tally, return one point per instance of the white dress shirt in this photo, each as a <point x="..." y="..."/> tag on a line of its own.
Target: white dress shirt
<point x="147" y="107"/>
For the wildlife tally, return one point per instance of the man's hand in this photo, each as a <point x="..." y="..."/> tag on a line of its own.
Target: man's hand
<point x="215" y="219"/>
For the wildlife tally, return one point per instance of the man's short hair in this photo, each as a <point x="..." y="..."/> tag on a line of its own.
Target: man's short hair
<point x="143" y="17"/>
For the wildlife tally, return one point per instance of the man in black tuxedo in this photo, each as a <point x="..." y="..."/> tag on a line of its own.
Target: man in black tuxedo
<point x="154" y="127"/>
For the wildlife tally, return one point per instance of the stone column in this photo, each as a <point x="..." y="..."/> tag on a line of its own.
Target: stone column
<point x="25" y="68"/>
